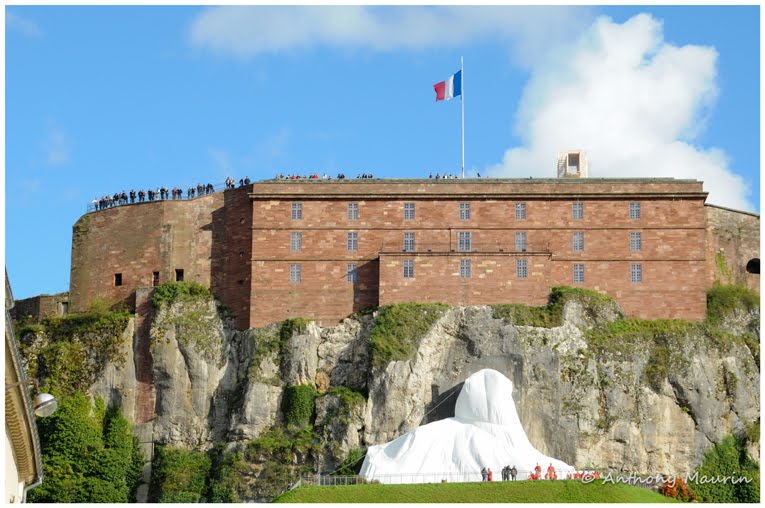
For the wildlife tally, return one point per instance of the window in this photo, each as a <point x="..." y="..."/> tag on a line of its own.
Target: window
<point x="296" y="241"/>
<point x="155" y="279"/>
<point x="577" y="241"/>
<point x="353" y="241"/>
<point x="179" y="275"/>
<point x="465" y="268"/>
<point x="520" y="242"/>
<point x="577" y="210"/>
<point x="634" y="210"/>
<point x="464" y="241"/>
<point x="408" y="242"/>
<point x="295" y="273"/>
<point x="408" y="211"/>
<point x="636" y="273"/>
<point x="635" y="241"/>
<point x="297" y="211"/>
<point x="353" y="211"/>
<point x="520" y="210"/>
<point x="117" y="279"/>
<point x="578" y="273"/>
<point x="352" y="275"/>
<point x="464" y="211"/>
<point x="521" y="268"/>
<point x="409" y="268"/>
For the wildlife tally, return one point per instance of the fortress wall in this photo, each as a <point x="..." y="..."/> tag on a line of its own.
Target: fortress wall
<point x="231" y="261"/>
<point x="671" y="224"/>
<point x="323" y="294"/>
<point x="733" y="238"/>
<point x="137" y="240"/>
<point x="437" y="279"/>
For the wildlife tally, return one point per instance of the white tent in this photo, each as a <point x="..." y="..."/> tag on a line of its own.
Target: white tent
<point x="484" y="432"/>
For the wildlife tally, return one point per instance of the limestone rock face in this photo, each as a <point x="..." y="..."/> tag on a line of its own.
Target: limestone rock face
<point x="189" y="360"/>
<point x="611" y="407"/>
<point x="117" y="384"/>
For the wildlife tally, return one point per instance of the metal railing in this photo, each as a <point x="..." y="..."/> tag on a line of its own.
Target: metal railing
<point x="91" y="207"/>
<point x="444" y="477"/>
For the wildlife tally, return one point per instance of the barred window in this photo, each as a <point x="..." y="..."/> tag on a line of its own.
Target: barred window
<point x="636" y="273"/>
<point x="353" y="211"/>
<point x="577" y="210"/>
<point x="635" y="243"/>
<point x="296" y="241"/>
<point x="520" y="210"/>
<point x="464" y="211"/>
<point x="352" y="274"/>
<point x="353" y="241"/>
<point x="409" y="268"/>
<point x="578" y="241"/>
<point x="408" y="242"/>
<point x="297" y="211"/>
<point x="408" y="211"/>
<point x="521" y="268"/>
<point x="579" y="273"/>
<point x="465" y="268"/>
<point x="464" y="241"/>
<point x="520" y="242"/>
<point x="634" y="210"/>
<point x="295" y="274"/>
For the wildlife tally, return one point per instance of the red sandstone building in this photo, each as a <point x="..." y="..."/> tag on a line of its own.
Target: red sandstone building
<point x="323" y="249"/>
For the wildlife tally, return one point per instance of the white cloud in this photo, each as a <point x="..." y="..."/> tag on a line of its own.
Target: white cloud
<point x="249" y="31"/>
<point x="18" y="23"/>
<point x="55" y="145"/>
<point x="633" y="102"/>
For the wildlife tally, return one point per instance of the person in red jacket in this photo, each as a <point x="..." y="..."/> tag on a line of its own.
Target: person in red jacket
<point x="489" y="473"/>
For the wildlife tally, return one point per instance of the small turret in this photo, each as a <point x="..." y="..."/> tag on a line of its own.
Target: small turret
<point x="572" y="164"/>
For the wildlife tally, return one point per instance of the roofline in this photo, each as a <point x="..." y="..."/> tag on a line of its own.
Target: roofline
<point x="732" y="210"/>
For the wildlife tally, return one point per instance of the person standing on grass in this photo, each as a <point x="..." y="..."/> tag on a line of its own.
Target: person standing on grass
<point x="513" y="473"/>
<point x="483" y="474"/>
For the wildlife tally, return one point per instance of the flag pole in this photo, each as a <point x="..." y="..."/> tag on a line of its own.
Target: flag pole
<point x="462" y="101"/>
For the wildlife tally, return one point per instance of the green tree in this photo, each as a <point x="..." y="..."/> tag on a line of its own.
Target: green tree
<point x="89" y="455"/>
<point x="179" y="475"/>
<point x="719" y="478"/>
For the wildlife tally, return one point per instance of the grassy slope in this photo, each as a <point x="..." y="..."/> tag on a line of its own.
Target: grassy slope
<point x="569" y="491"/>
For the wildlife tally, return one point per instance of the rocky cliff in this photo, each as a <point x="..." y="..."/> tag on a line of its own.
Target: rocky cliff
<point x="593" y="389"/>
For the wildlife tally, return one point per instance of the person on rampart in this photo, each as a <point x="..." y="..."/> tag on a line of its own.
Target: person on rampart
<point x="551" y="474"/>
<point x="489" y="475"/>
<point x="484" y="474"/>
<point x="513" y="473"/>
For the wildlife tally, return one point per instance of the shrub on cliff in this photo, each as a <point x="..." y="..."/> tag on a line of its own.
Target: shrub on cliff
<point x="179" y="475"/>
<point x="89" y="455"/>
<point x="399" y="326"/>
<point x="170" y="292"/>
<point x="298" y="404"/>
<point x="68" y="353"/>
<point x="722" y="300"/>
<point x="728" y="474"/>
<point x="551" y="314"/>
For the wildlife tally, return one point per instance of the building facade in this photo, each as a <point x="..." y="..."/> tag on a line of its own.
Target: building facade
<point x="323" y="249"/>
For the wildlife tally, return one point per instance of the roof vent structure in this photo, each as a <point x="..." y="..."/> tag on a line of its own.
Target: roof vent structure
<point x="572" y="164"/>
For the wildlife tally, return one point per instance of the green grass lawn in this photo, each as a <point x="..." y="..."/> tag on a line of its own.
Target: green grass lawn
<point x="561" y="491"/>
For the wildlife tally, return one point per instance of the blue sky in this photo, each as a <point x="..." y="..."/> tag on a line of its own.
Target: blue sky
<point x="105" y="99"/>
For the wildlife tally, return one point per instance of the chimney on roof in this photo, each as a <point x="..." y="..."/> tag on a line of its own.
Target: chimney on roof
<point x="572" y="164"/>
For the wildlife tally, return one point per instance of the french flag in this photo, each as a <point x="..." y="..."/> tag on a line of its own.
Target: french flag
<point x="450" y="88"/>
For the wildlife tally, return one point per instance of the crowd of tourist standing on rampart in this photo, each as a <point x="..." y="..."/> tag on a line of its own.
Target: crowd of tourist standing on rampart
<point x="160" y="193"/>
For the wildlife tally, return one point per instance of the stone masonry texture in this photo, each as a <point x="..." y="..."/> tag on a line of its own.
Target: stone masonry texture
<point x="247" y="244"/>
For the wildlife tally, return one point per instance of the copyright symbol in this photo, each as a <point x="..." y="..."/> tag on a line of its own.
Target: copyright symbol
<point x="588" y="478"/>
